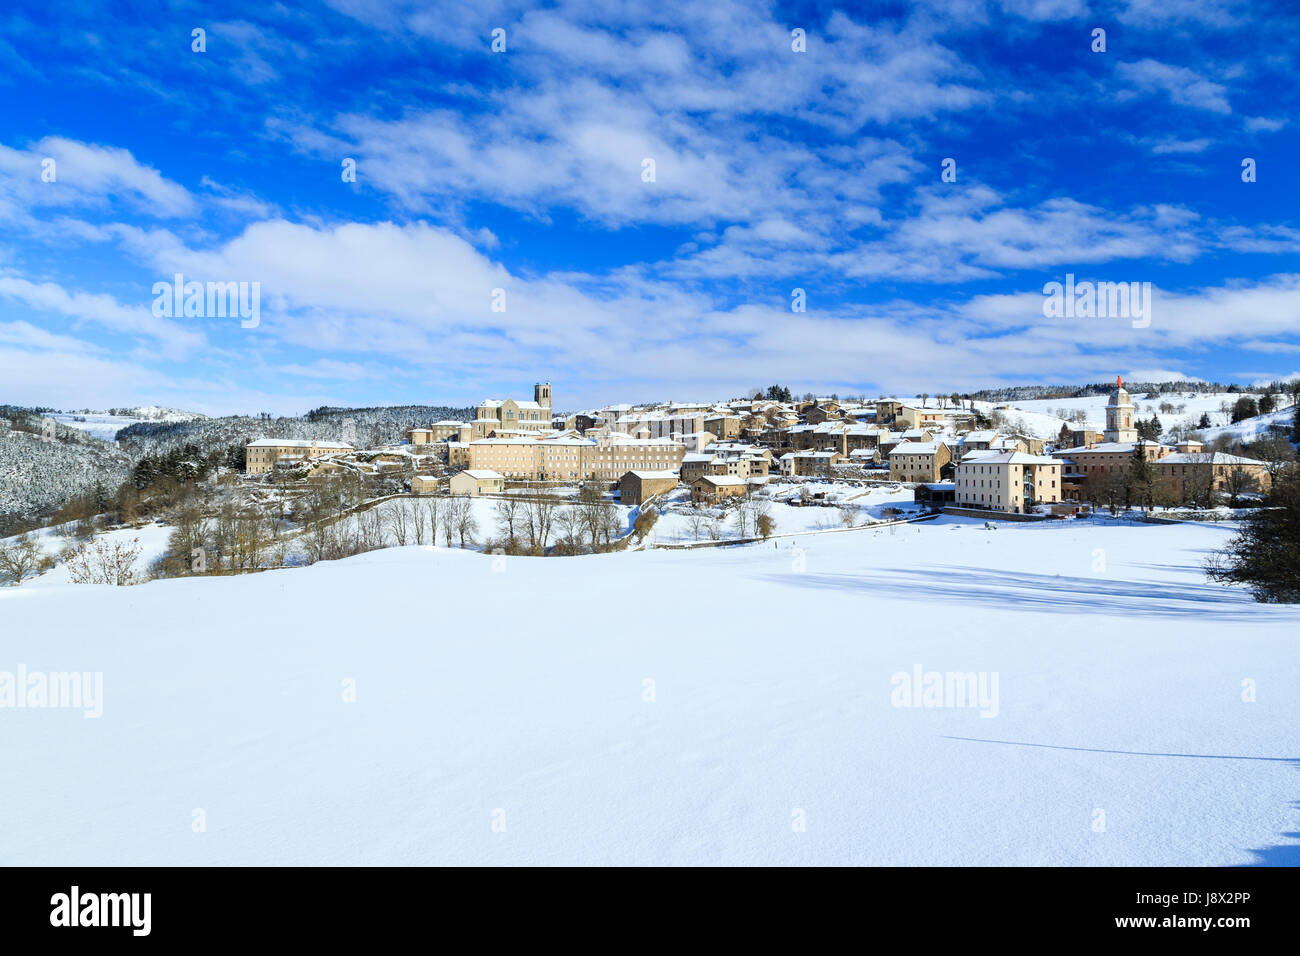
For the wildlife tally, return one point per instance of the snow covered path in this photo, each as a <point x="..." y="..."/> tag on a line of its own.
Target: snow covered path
<point x="517" y="696"/>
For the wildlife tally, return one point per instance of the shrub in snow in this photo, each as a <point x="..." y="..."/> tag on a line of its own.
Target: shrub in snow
<point x="99" y="562"/>
<point x="21" y="558"/>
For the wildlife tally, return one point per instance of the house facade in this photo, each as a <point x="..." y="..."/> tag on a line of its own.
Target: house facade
<point x="918" y="461"/>
<point x="1011" y="481"/>
<point x="636" y="486"/>
<point x="476" y="482"/>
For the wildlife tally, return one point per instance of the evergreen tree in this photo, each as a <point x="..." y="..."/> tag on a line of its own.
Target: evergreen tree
<point x="1141" y="477"/>
<point x="1243" y="409"/>
<point x="1265" y="554"/>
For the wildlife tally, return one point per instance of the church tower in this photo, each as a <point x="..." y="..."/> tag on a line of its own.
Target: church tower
<point x="1119" y="416"/>
<point x="542" y="394"/>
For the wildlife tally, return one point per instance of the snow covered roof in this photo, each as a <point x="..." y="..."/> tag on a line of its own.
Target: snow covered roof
<point x="722" y="480"/>
<point x="654" y="474"/>
<point x="483" y="474"/>
<point x="1009" y="458"/>
<point x="1109" y="447"/>
<point x="916" y="448"/>
<point x="1207" y="458"/>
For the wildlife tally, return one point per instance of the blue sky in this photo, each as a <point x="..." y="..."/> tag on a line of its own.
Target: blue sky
<point x="522" y="170"/>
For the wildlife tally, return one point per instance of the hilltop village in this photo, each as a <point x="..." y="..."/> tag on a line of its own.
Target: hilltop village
<point x="952" y="456"/>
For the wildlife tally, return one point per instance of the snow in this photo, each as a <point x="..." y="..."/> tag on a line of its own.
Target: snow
<point x="1119" y="691"/>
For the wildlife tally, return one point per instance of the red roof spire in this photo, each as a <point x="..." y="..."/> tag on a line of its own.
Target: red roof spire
<point x="1119" y="382"/>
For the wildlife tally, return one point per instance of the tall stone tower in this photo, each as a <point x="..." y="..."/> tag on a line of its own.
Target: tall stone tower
<point x="542" y="394"/>
<point x="1119" y="415"/>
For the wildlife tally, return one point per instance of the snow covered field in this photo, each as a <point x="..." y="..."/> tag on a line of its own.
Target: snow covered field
<point x="503" y="711"/>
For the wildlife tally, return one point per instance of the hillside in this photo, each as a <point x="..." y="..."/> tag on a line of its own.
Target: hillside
<point x="38" y="476"/>
<point x="371" y="426"/>
<point x="1253" y="429"/>
<point x="1179" y="409"/>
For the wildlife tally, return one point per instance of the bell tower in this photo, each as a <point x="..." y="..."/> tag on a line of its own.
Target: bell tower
<point x="542" y="394"/>
<point x="1119" y="415"/>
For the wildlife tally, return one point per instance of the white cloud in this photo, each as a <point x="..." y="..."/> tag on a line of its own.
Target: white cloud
<point x="1182" y="85"/>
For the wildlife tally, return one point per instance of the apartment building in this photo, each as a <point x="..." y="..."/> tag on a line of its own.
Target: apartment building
<point x="262" y="455"/>
<point x="659" y="424"/>
<point x="1215" y="473"/>
<point x="1094" y="461"/>
<point x="438" y="431"/>
<point x="1010" y="481"/>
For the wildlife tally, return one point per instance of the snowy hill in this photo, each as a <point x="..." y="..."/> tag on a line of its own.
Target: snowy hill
<point x="1181" y="409"/>
<point x="37" y="476"/>
<point x="105" y="425"/>
<point x="364" y="426"/>
<point x="1253" y="429"/>
<point x="649" y="724"/>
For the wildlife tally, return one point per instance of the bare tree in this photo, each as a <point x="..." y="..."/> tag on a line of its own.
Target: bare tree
<point x="462" y="510"/>
<point x="448" y="519"/>
<point x="507" y="511"/>
<point x="20" y="558"/>
<point x="568" y="527"/>
<point x="430" y="507"/>
<point x="398" y="519"/>
<point x="590" y="499"/>
<point x="539" y="516"/>
<point x="608" y="522"/>
<point x="370" y="530"/>
<point x="416" y="518"/>
<point x="742" y="518"/>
